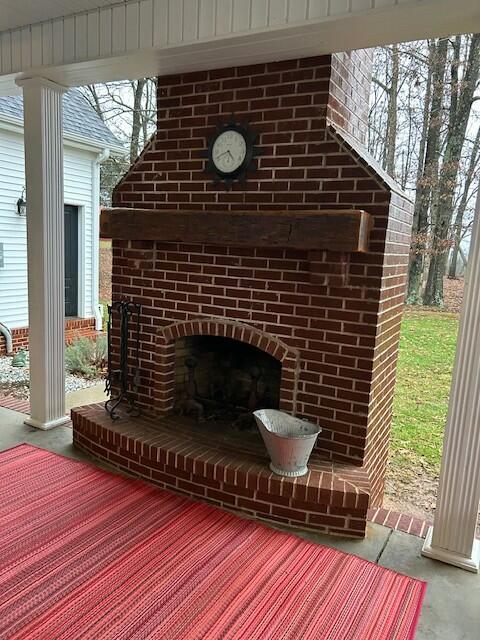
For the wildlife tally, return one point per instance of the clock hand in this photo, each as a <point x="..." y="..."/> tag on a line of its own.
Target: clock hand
<point x="222" y="154"/>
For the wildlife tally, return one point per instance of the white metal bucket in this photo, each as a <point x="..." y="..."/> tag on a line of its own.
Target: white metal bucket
<point x="289" y="441"/>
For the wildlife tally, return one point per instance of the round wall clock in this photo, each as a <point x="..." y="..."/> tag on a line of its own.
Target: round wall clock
<point x="231" y="152"/>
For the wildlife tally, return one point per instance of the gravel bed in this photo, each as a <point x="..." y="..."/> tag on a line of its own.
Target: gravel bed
<point x="15" y="381"/>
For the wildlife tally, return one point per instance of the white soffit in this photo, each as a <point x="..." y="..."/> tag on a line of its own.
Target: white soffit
<point x="19" y="13"/>
<point x="142" y="38"/>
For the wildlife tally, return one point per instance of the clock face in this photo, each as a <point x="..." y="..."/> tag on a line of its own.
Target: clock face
<point x="229" y="151"/>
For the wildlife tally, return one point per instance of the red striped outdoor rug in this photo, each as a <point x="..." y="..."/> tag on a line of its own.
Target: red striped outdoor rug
<point x="89" y="554"/>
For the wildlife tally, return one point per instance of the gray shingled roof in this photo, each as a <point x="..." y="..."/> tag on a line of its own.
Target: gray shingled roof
<point x="79" y="117"/>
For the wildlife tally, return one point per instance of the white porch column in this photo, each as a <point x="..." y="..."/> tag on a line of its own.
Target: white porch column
<point x="452" y="537"/>
<point x="43" y="131"/>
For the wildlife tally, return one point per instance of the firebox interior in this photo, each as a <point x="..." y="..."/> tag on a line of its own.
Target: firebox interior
<point x="219" y="378"/>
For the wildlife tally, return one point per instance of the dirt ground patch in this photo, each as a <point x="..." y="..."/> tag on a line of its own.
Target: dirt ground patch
<point x="453" y="294"/>
<point x="412" y="491"/>
<point x="105" y="275"/>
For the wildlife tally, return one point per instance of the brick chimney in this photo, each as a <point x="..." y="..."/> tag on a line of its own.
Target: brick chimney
<point x="337" y="312"/>
<point x="290" y="105"/>
<point x="349" y="91"/>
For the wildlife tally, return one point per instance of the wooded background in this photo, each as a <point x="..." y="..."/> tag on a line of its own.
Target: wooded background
<point x="424" y="129"/>
<point x="129" y="109"/>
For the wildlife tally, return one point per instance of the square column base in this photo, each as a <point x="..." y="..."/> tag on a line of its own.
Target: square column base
<point x="450" y="557"/>
<point x="64" y="421"/>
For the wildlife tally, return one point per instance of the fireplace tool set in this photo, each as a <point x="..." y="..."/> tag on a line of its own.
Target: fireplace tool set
<point x="119" y="378"/>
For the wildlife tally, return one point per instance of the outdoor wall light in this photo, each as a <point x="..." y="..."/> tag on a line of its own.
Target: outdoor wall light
<point x="22" y="205"/>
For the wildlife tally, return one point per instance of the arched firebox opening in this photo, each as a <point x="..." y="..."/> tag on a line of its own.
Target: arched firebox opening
<point x="223" y="350"/>
<point x="224" y="380"/>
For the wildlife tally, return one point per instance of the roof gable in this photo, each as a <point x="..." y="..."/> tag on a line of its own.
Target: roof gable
<point x="79" y="118"/>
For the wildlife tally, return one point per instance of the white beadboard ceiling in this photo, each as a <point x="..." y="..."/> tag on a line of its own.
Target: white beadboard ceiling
<point x="138" y="38"/>
<point x="18" y="13"/>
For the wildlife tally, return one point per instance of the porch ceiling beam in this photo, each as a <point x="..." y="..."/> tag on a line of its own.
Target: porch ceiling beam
<point x="452" y="538"/>
<point x="148" y="37"/>
<point x="43" y="134"/>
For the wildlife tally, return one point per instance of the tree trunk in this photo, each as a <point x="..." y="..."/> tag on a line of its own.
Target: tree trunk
<point x="390" y="147"/>
<point x="136" y="119"/>
<point x="462" y="99"/>
<point x="428" y="167"/>
<point x="463" y="205"/>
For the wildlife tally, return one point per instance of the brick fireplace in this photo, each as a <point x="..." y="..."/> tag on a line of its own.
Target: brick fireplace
<point x="291" y="284"/>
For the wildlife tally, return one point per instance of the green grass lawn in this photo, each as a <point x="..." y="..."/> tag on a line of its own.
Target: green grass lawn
<point x="427" y="349"/>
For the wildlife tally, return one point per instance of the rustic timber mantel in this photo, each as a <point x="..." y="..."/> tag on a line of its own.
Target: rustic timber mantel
<point x="344" y="230"/>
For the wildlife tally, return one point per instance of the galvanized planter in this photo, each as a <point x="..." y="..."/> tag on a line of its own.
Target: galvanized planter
<point x="289" y="441"/>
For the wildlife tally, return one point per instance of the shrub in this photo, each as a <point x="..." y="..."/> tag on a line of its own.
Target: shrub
<point x="86" y="357"/>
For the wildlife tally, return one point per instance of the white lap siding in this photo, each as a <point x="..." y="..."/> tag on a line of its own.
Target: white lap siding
<point x="79" y="176"/>
<point x="13" y="274"/>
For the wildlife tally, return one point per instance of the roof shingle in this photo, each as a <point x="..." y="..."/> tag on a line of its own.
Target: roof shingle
<point x="79" y="118"/>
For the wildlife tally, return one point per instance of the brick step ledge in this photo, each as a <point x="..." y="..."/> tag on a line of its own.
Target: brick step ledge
<point x="177" y="454"/>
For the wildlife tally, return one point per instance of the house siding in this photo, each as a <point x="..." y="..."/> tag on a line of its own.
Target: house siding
<point x="79" y="187"/>
<point x="13" y="275"/>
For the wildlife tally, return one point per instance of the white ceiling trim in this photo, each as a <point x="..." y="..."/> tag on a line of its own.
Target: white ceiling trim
<point x="19" y="13"/>
<point x="140" y="24"/>
<point x="147" y="37"/>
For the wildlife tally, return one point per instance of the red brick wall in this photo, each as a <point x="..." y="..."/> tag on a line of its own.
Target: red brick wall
<point x="74" y="328"/>
<point x="286" y="103"/>
<point x="392" y="294"/>
<point x="340" y="312"/>
<point x="349" y="90"/>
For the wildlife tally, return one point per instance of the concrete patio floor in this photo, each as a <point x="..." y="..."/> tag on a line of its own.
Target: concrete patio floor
<point x="451" y="609"/>
<point x="90" y="395"/>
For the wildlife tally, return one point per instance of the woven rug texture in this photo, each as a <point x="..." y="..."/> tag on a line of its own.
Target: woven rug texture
<point x="93" y="555"/>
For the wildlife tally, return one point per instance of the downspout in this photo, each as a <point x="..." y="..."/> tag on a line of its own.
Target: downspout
<point x="97" y="310"/>
<point x="7" y="334"/>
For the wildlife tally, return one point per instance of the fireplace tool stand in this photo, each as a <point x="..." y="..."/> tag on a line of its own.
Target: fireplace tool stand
<point x="129" y="313"/>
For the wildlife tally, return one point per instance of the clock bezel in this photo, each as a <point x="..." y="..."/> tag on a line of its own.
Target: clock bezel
<point x="248" y="164"/>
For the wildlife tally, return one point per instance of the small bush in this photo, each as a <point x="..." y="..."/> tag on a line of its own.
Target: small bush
<point x="86" y="357"/>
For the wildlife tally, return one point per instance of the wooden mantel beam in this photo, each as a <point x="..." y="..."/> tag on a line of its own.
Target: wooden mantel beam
<point x="344" y="230"/>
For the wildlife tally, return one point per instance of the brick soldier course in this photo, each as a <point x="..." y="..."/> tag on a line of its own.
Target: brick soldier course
<point x="330" y="316"/>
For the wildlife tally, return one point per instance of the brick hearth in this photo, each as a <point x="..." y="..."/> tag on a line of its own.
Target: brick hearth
<point x="177" y="453"/>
